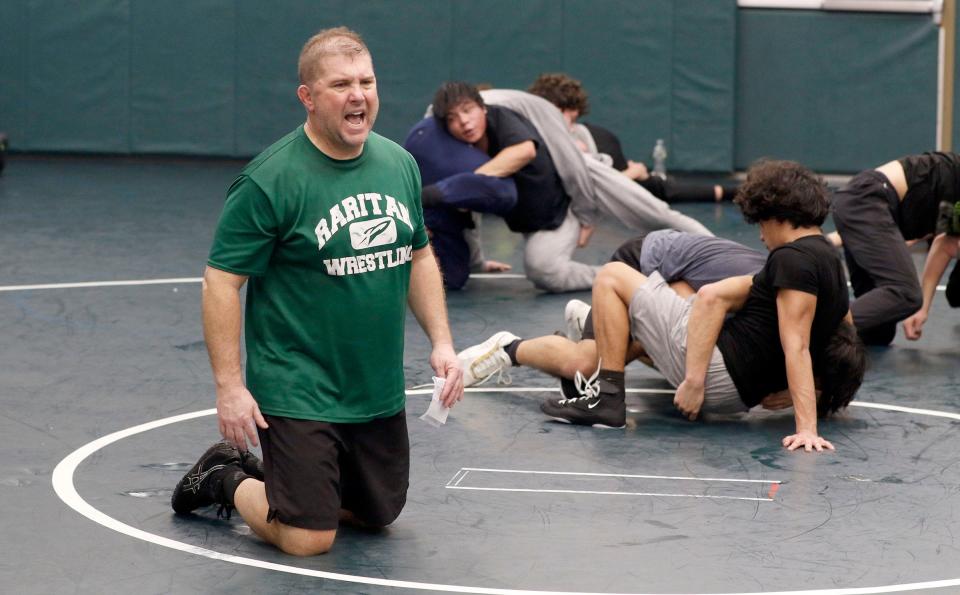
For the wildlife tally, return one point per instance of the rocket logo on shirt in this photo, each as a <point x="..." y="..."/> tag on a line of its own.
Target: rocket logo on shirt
<point x="375" y="232"/>
<point x="368" y="233"/>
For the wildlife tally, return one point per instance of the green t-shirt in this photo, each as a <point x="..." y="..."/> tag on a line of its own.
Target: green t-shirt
<point x="327" y="245"/>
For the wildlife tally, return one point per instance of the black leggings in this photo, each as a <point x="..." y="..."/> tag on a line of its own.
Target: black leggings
<point x="882" y="273"/>
<point x="673" y="191"/>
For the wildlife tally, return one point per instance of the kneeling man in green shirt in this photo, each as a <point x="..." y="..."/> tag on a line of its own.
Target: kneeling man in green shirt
<point x="326" y="229"/>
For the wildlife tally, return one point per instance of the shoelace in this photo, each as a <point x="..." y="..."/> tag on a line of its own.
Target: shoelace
<point x="589" y="388"/>
<point x="485" y="366"/>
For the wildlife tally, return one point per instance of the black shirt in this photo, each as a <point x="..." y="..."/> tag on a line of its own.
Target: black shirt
<point x="931" y="178"/>
<point x="608" y="144"/>
<point x="541" y="200"/>
<point x="750" y="339"/>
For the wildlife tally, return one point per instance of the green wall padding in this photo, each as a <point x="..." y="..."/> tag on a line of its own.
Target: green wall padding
<point x="182" y="90"/>
<point x="704" y="64"/>
<point x="839" y="92"/>
<point x="78" y="82"/>
<point x="624" y="58"/>
<point x="13" y="69"/>
<point x="218" y="77"/>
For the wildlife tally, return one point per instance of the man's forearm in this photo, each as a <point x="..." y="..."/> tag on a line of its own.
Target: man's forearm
<point x="703" y="330"/>
<point x="937" y="260"/>
<point x="426" y="297"/>
<point x="711" y="306"/>
<point x="221" y="331"/>
<point x="802" y="390"/>
<point x="509" y="161"/>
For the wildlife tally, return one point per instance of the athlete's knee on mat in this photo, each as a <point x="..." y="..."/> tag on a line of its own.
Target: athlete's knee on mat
<point x="547" y="272"/>
<point x="455" y="271"/>
<point x="374" y="520"/>
<point x="910" y="299"/>
<point x="455" y="279"/>
<point x="304" y="542"/>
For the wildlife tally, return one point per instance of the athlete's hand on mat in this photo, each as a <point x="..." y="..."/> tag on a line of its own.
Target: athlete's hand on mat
<point x="689" y="399"/>
<point x="445" y="364"/>
<point x="238" y="414"/>
<point x="585" y="232"/>
<point x="808" y="440"/>
<point x="913" y="326"/>
<point x="495" y="266"/>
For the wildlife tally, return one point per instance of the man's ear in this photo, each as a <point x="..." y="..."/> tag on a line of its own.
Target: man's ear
<point x="303" y="94"/>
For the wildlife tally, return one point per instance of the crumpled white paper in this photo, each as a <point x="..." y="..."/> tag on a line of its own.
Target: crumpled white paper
<point x="436" y="414"/>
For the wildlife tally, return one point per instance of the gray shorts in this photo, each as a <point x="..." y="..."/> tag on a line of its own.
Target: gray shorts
<point x="658" y="320"/>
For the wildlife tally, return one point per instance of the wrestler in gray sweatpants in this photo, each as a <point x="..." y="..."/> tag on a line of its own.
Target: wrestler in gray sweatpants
<point x="593" y="187"/>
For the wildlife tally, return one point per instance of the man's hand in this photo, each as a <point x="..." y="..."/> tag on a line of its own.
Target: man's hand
<point x="913" y="326"/>
<point x="445" y="364"/>
<point x="689" y="399"/>
<point x="237" y="412"/>
<point x="636" y="171"/>
<point x="495" y="266"/>
<point x="808" y="440"/>
<point x="585" y="232"/>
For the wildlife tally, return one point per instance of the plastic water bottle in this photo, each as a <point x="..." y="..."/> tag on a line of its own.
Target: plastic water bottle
<point x="660" y="159"/>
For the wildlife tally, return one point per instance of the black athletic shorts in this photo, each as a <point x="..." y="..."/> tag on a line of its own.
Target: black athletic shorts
<point x="314" y="468"/>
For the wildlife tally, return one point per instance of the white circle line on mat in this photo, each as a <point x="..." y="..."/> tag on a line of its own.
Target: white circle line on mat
<point x="66" y="490"/>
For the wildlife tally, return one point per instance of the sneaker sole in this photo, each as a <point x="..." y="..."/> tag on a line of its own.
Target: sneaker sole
<point x="601" y="426"/>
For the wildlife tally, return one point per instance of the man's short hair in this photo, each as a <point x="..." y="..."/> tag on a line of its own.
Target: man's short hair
<point x="452" y="94"/>
<point x="561" y="90"/>
<point x="845" y="363"/>
<point x="338" y="41"/>
<point x="784" y="191"/>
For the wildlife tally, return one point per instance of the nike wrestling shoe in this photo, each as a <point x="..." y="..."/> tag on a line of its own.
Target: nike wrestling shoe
<point x="588" y="401"/>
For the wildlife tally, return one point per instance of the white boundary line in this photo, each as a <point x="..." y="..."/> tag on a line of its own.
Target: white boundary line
<point x="623" y="475"/>
<point x="465" y="470"/>
<point x="593" y="493"/>
<point x="177" y="281"/>
<point x="497" y="276"/>
<point x="63" y="485"/>
<point x="182" y="280"/>
<point x="420" y="390"/>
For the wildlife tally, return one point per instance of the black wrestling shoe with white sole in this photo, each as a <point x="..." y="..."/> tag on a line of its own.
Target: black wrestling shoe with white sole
<point x="588" y="406"/>
<point x="203" y="484"/>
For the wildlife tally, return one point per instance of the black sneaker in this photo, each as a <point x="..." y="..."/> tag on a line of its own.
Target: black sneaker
<point x="588" y="406"/>
<point x="251" y="465"/>
<point x="203" y="484"/>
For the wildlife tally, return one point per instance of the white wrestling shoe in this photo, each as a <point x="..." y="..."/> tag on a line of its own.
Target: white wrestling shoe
<point x="481" y="362"/>
<point x="576" y="316"/>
